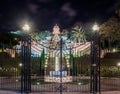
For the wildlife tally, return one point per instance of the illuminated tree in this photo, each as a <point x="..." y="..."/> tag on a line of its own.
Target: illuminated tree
<point x="39" y="36"/>
<point x="78" y="34"/>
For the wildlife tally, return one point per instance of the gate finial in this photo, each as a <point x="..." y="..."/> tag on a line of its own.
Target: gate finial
<point x="56" y="30"/>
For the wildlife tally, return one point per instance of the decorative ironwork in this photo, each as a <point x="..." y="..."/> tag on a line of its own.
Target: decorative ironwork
<point x="59" y="63"/>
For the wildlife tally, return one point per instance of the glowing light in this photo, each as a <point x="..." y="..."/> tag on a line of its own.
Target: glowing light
<point x="67" y="60"/>
<point x="16" y="32"/>
<point x="20" y="64"/>
<point x="38" y="83"/>
<point x="95" y="27"/>
<point x="45" y="66"/>
<point x="118" y="64"/>
<point x="68" y="63"/>
<point x="16" y="80"/>
<point x="68" y="66"/>
<point x="46" y="63"/>
<point x="26" y="27"/>
<point x="68" y="56"/>
<point x="46" y="56"/>
<point x="114" y="50"/>
<point x="79" y="83"/>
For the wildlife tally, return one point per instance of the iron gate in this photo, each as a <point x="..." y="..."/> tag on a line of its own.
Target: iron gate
<point x="58" y="67"/>
<point x="74" y="74"/>
<point x="10" y="69"/>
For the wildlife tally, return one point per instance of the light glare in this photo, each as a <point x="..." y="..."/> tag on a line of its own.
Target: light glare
<point x="118" y="64"/>
<point x="95" y="27"/>
<point x="26" y="27"/>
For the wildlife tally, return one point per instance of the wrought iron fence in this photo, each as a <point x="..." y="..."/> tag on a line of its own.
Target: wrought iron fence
<point x="10" y="70"/>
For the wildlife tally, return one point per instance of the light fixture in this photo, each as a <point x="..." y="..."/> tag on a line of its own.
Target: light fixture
<point x="95" y="27"/>
<point x="26" y="27"/>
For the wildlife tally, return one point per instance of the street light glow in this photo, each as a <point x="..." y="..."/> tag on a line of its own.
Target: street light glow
<point x="118" y="64"/>
<point x="20" y="64"/>
<point x="95" y="27"/>
<point x="26" y="27"/>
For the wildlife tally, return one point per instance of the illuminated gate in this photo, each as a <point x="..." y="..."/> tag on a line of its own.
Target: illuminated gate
<point x="56" y="63"/>
<point x="64" y="65"/>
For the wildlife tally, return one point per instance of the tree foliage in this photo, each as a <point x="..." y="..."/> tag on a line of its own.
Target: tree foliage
<point x="78" y="34"/>
<point x="39" y="36"/>
<point x="110" y="31"/>
<point x="8" y="40"/>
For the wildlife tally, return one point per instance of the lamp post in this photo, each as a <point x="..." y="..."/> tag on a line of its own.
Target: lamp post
<point x="26" y="54"/>
<point x="95" y="60"/>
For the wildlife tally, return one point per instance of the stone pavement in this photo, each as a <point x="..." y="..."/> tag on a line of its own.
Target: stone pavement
<point x="13" y="92"/>
<point x="110" y="92"/>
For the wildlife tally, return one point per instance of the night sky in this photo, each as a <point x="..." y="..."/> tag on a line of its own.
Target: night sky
<point x="44" y="14"/>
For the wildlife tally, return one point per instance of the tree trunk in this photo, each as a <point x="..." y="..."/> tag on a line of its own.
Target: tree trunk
<point x="109" y="45"/>
<point x="79" y="40"/>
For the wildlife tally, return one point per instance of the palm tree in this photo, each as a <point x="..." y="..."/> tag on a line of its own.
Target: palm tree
<point x="39" y="36"/>
<point x="78" y="34"/>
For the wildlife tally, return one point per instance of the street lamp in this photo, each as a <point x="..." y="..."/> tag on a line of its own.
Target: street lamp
<point x="26" y="27"/>
<point x="95" y="27"/>
<point x="95" y="60"/>
<point x="26" y="55"/>
<point x="118" y="64"/>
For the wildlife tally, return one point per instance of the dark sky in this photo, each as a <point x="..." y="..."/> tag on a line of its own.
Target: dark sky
<point x="43" y="14"/>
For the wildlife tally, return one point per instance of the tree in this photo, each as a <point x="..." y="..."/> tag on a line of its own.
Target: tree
<point x="110" y="32"/>
<point x="39" y="36"/>
<point x="8" y="40"/>
<point x="9" y="66"/>
<point x="78" y="34"/>
<point x="117" y="11"/>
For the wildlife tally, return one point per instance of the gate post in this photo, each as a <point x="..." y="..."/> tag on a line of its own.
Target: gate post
<point x="95" y="64"/>
<point x="26" y="68"/>
<point x="91" y="68"/>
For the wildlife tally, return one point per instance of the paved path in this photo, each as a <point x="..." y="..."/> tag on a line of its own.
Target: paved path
<point x="13" y="92"/>
<point x="111" y="92"/>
